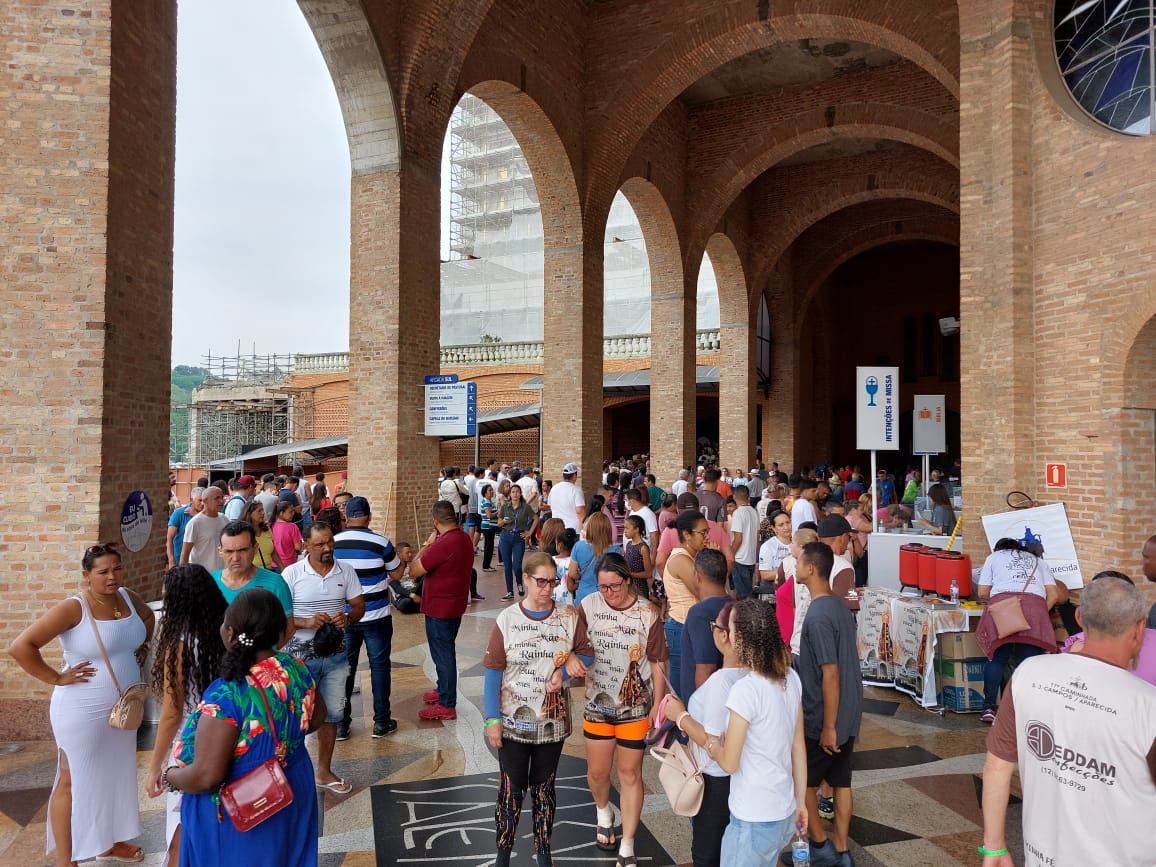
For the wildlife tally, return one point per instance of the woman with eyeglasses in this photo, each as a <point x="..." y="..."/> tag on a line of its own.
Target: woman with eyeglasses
<point x="709" y="704"/>
<point x="681" y="583"/>
<point x="618" y="647"/>
<point x="763" y="748"/>
<point x="527" y="711"/>
<point x="93" y="806"/>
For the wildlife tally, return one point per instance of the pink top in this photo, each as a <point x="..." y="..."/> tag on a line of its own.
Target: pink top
<point x="1145" y="664"/>
<point x="785" y="609"/>
<point x="286" y="537"/>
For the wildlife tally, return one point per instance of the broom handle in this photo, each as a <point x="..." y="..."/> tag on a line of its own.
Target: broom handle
<point x="954" y="533"/>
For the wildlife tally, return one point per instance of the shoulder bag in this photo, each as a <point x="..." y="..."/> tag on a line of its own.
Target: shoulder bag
<point x="253" y="798"/>
<point x="128" y="711"/>
<point x="680" y="776"/>
<point x="1008" y="614"/>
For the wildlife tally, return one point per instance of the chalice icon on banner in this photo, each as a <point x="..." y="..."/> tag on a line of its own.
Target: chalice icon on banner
<point x="872" y="389"/>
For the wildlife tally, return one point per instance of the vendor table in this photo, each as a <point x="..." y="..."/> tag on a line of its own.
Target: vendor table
<point x="897" y="640"/>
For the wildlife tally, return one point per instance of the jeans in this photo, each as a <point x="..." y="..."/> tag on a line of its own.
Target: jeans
<point x="708" y="826"/>
<point x="330" y="673"/>
<point x="993" y="670"/>
<point x="442" y="635"/>
<point x="742" y="577"/>
<point x="673" y="630"/>
<point x="487" y="547"/>
<point x="755" y="844"/>
<point x="512" y="546"/>
<point x="377" y="635"/>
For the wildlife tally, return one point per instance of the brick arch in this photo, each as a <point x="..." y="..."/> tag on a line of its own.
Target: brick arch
<point x="794" y="201"/>
<point x="359" y="76"/>
<point x="737" y="377"/>
<point x="658" y="77"/>
<point x="1127" y="343"/>
<point x="943" y="228"/>
<point x="918" y="129"/>
<point x="547" y="158"/>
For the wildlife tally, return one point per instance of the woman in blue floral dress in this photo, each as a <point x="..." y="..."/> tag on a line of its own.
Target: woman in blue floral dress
<point x="228" y="735"/>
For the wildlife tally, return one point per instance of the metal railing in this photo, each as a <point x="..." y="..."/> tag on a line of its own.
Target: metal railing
<point x="620" y="346"/>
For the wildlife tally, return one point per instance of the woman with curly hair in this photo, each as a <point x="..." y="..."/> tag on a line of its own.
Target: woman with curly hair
<point x="263" y="705"/>
<point x="188" y="657"/>
<point x="763" y="748"/>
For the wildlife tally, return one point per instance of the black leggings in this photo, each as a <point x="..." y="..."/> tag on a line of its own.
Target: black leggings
<point x="713" y="817"/>
<point x="526" y="766"/>
<point x="488" y="547"/>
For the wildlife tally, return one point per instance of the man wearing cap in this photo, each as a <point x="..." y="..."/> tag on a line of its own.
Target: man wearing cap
<point x="668" y="540"/>
<point x="375" y="561"/>
<point x="755" y="484"/>
<point x="835" y="532"/>
<point x="567" y="501"/>
<point x="242" y="489"/>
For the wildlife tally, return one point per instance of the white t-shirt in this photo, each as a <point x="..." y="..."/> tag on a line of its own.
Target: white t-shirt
<point x="801" y="512"/>
<point x="1004" y="572"/>
<point x="235" y="507"/>
<point x="708" y="706"/>
<point x="649" y="519"/>
<point x="745" y="520"/>
<point x="763" y="787"/>
<point x="204" y="534"/>
<point x="313" y="592"/>
<point x="772" y="554"/>
<point x="679" y="487"/>
<point x="529" y="491"/>
<point x="565" y="500"/>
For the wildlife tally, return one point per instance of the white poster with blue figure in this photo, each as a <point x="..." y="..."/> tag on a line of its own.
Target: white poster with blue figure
<point x="1045" y="531"/>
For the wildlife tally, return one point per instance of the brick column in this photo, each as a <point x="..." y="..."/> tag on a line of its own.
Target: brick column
<point x="737" y="376"/>
<point x="394" y="339"/>
<point x="781" y="419"/>
<point x="572" y="388"/>
<point x="997" y="344"/>
<point x="86" y="177"/>
<point x="673" y="305"/>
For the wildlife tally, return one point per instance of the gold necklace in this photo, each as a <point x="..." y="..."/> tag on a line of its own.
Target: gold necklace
<point x="115" y="605"/>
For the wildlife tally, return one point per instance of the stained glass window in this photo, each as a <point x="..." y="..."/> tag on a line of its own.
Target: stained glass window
<point x="1104" y="48"/>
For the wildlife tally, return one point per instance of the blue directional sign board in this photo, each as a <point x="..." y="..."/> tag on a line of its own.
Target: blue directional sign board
<point x="451" y="407"/>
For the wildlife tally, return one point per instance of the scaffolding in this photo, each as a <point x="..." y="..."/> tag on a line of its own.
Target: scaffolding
<point x="242" y="404"/>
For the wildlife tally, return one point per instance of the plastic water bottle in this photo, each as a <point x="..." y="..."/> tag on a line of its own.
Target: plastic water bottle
<point x="954" y="591"/>
<point x="800" y="849"/>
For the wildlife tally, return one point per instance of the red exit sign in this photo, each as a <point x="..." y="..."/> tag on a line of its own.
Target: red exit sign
<point x="1056" y="475"/>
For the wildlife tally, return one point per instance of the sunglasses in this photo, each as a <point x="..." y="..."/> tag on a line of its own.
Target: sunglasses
<point x="100" y="549"/>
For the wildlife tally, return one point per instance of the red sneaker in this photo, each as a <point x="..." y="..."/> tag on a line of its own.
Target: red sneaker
<point x="430" y="697"/>
<point x="437" y="711"/>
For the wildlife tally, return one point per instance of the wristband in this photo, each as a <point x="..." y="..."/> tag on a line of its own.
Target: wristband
<point x="491" y="722"/>
<point x="681" y="717"/>
<point x="165" y="779"/>
<point x="991" y="853"/>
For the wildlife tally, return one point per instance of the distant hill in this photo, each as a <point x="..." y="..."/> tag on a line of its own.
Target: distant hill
<point x="182" y="380"/>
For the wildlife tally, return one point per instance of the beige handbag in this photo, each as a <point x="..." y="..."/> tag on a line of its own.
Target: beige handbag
<point x="681" y="778"/>
<point x="1008" y="614"/>
<point x="128" y="711"/>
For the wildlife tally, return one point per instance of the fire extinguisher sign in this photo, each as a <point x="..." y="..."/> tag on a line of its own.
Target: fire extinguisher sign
<point x="1056" y="475"/>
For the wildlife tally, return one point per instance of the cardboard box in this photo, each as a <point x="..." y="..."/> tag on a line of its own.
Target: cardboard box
<point x="958" y="645"/>
<point x="959" y="678"/>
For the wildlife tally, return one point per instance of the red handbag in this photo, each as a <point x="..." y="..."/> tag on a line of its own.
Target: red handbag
<point x="253" y="798"/>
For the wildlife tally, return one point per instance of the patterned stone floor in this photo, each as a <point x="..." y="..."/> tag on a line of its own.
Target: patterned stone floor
<point x="916" y="784"/>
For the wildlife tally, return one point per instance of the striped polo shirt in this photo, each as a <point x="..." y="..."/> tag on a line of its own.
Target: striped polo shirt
<point x="373" y="557"/>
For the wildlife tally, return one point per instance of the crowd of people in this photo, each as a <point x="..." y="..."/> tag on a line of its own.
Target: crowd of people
<point x="721" y="612"/>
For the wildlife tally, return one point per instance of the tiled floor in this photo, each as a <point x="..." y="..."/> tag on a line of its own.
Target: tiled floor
<point x="916" y="782"/>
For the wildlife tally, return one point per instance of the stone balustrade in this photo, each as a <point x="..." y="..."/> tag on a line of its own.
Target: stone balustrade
<point x="706" y="342"/>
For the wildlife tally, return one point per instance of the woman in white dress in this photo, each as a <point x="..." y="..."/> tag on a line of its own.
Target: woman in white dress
<point x="188" y="658"/>
<point x="93" y="807"/>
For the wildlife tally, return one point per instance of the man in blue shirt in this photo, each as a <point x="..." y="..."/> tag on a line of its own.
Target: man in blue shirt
<point x="178" y="520"/>
<point x="886" y="489"/>
<point x="373" y="557"/>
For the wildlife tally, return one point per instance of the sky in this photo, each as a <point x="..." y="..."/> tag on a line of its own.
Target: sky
<point x="261" y="244"/>
<point x="261" y="247"/>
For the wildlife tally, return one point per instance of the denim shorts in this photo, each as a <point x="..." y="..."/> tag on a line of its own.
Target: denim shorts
<point x="330" y="673"/>
<point x="753" y="844"/>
